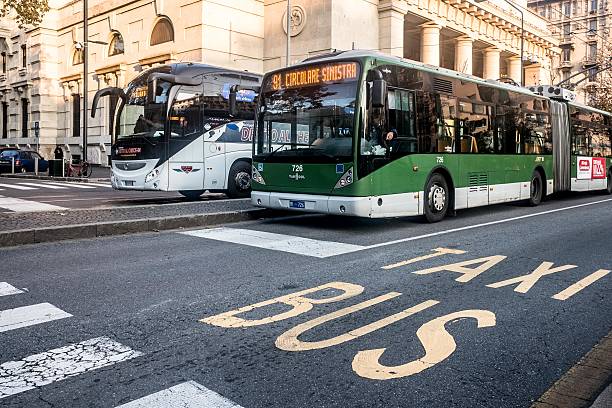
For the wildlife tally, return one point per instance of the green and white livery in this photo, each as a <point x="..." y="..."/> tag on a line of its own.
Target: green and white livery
<point x="370" y="135"/>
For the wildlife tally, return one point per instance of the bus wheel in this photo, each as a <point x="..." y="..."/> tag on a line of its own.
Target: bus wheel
<point x="536" y="189"/>
<point x="609" y="188"/>
<point x="192" y="194"/>
<point x="239" y="180"/>
<point x="436" y="198"/>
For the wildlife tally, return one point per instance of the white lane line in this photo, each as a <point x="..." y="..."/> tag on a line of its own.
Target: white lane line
<point x="25" y="316"/>
<point x="485" y="224"/>
<point x="100" y="185"/>
<point x="6" y="289"/>
<point x="16" y="187"/>
<point x="276" y="242"/>
<point x="41" y="185"/>
<point x="58" y="364"/>
<point x="19" y="205"/>
<point x="75" y="185"/>
<point x="189" y="394"/>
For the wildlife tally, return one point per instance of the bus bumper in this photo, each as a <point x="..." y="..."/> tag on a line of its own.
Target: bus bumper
<point x="372" y="207"/>
<point x="129" y="175"/>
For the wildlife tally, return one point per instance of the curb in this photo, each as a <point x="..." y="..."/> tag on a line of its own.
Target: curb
<point x="105" y="229"/>
<point x="584" y="382"/>
<point x="73" y="179"/>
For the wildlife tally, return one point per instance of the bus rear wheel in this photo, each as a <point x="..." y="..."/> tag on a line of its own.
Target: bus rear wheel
<point x="436" y="198"/>
<point x="609" y="188"/>
<point x="536" y="189"/>
<point x="192" y="194"/>
<point x="239" y="180"/>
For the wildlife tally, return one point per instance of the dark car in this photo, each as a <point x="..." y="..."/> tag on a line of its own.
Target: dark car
<point x="24" y="161"/>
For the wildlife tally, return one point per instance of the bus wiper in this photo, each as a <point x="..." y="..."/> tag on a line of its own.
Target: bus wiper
<point x="277" y="149"/>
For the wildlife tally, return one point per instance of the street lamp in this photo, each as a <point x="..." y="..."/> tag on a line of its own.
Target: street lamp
<point x="522" y="35"/>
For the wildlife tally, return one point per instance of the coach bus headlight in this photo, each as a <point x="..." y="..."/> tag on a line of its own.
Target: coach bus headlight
<point x="152" y="175"/>
<point x="257" y="177"/>
<point x="346" y="179"/>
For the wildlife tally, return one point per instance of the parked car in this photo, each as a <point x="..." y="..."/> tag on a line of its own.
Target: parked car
<point x="24" y="161"/>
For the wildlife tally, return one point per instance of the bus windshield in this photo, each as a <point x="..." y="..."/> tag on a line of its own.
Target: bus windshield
<point x="137" y="118"/>
<point x="308" y="114"/>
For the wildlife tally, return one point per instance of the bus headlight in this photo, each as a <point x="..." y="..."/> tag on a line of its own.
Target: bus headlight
<point x="346" y="179"/>
<point x="257" y="176"/>
<point x="152" y="175"/>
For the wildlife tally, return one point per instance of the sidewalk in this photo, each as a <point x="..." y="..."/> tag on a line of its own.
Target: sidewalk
<point x="98" y="174"/>
<point x="29" y="228"/>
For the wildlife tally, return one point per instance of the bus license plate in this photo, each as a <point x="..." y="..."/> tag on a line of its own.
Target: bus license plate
<point x="128" y="183"/>
<point x="297" y="204"/>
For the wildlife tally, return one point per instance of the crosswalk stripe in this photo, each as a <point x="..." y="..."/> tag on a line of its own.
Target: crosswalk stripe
<point x="25" y="316"/>
<point x="75" y="185"/>
<point x="6" y="289"/>
<point x="20" y="205"/>
<point x="61" y="363"/>
<point x="43" y="186"/>
<point x="189" y="394"/>
<point x="276" y="242"/>
<point x="16" y="187"/>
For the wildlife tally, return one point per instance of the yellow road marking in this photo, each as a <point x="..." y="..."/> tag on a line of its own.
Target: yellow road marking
<point x="289" y="341"/>
<point x="297" y="301"/>
<point x="580" y="285"/>
<point x="437" y="252"/>
<point x="436" y="341"/>
<point x="527" y="281"/>
<point x="467" y="274"/>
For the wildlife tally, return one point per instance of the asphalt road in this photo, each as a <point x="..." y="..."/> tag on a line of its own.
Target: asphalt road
<point x="43" y="195"/>
<point x="146" y="311"/>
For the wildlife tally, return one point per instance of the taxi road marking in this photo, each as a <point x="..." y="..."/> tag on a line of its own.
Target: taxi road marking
<point x="580" y="285"/>
<point x="437" y="252"/>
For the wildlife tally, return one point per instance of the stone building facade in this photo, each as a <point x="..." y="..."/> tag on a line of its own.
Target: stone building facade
<point x="42" y="77"/>
<point x="583" y="30"/>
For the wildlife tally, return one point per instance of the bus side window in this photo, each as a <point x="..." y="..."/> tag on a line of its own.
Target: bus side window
<point x="402" y="119"/>
<point x="446" y="117"/>
<point x="476" y="128"/>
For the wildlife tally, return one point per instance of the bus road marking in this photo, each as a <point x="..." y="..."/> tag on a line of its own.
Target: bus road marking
<point x="277" y="242"/>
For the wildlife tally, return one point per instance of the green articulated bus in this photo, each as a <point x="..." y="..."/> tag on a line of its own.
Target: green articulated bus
<point x="366" y="134"/>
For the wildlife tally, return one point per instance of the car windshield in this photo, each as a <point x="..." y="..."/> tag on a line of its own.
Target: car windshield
<point x="9" y="153"/>
<point x="308" y="113"/>
<point x="137" y="118"/>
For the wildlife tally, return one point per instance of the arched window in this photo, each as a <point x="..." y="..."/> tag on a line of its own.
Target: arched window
<point x="78" y="57"/>
<point x="116" y="45"/>
<point x="162" y="32"/>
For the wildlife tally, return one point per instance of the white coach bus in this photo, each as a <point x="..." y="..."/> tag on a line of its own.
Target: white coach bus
<point x="184" y="127"/>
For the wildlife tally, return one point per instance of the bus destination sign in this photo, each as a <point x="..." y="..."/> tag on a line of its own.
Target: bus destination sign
<point x="314" y="75"/>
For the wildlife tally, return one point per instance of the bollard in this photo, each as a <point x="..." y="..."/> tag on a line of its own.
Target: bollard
<point x="36" y="166"/>
<point x="12" y="165"/>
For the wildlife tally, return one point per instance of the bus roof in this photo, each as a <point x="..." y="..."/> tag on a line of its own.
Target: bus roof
<point x="364" y="54"/>
<point x="194" y="69"/>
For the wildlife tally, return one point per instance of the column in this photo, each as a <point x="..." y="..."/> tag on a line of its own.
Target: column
<point x="391" y="26"/>
<point x="491" y="63"/>
<point x="430" y="44"/>
<point x="463" y="54"/>
<point x="514" y="69"/>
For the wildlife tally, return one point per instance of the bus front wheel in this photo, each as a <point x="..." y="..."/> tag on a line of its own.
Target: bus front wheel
<point x="239" y="180"/>
<point x="437" y="198"/>
<point x="609" y="188"/>
<point x="192" y="194"/>
<point x="536" y="189"/>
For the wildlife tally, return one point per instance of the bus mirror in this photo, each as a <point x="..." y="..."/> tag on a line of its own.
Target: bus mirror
<point x="151" y="89"/>
<point x="233" y="110"/>
<point x="106" y="92"/>
<point x="379" y="93"/>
